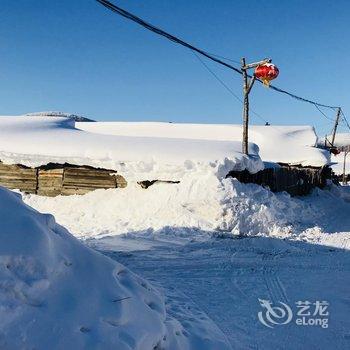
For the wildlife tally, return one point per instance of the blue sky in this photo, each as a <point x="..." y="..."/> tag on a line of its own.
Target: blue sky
<point x="77" y="56"/>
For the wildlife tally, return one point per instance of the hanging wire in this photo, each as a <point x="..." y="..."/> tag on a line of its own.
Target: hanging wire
<point x="226" y="87"/>
<point x="224" y="58"/>
<point x="217" y="78"/>
<point x="319" y="109"/>
<point x="241" y="101"/>
<point x="344" y="118"/>
<point x="176" y="40"/>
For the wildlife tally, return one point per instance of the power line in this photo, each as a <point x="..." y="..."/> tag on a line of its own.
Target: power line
<point x="226" y="87"/>
<point x="240" y="100"/>
<point x="161" y="32"/>
<point x="217" y="78"/>
<point x="176" y="40"/>
<point x="318" y="108"/>
<point x="225" y="58"/>
<point x="344" y="118"/>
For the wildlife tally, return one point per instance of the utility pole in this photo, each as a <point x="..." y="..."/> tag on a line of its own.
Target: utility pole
<point x="346" y="150"/>
<point x="247" y="86"/>
<point x="335" y="126"/>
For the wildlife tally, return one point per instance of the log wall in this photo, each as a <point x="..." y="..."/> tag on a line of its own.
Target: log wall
<point x="59" y="179"/>
<point x="19" y="176"/>
<point x="296" y="180"/>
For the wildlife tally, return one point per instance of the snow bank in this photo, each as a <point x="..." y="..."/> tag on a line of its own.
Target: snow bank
<point x="203" y="202"/>
<point x="56" y="293"/>
<point x="286" y="144"/>
<point x="35" y="141"/>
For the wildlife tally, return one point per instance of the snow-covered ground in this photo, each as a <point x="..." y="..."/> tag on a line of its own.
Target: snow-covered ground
<point x="216" y="251"/>
<point x="297" y="250"/>
<point x="225" y="278"/>
<point x="55" y="293"/>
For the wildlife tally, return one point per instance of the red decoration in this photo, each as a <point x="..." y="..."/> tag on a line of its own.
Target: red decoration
<point x="266" y="72"/>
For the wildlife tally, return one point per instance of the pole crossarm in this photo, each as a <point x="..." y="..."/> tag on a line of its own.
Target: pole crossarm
<point x="255" y="64"/>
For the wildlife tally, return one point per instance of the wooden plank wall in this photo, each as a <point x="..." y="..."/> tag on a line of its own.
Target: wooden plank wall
<point x="59" y="179"/>
<point x="19" y="177"/>
<point x="296" y="180"/>
<point x="66" y="179"/>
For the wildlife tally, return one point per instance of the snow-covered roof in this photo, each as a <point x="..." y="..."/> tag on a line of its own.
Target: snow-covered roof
<point x="35" y="141"/>
<point x="77" y="118"/>
<point x="341" y="139"/>
<point x="285" y="144"/>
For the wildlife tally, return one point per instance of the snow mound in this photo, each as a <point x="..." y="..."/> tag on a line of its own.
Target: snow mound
<point x="56" y="293"/>
<point x="204" y="202"/>
<point x="35" y="141"/>
<point x="285" y="144"/>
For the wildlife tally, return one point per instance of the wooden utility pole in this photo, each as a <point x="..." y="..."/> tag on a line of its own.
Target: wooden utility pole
<point x="344" y="168"/>
<point x="335" y="126"/>
<point x="346" y="150"/>
<point x="245" y="108"/>
<point x="247" y="86"/>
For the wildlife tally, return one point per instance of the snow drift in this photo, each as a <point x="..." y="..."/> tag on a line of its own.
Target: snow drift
<point x="205" y="203"/>
<point x="55" y="293"/>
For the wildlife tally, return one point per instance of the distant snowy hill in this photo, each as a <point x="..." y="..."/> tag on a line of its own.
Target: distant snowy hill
<point x="75" y="117"/>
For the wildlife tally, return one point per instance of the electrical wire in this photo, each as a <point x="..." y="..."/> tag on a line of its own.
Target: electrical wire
<point x="217" y="78"/>
<point x="176" y="40"/>
<point x="226" y="87"/>
<point x="344" y="118"/>
<point x="318" y="108"/>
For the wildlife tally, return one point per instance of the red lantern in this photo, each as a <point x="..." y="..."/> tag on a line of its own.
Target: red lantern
<point x="266" y="72"/>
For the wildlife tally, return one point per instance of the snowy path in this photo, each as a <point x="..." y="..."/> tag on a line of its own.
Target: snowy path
<point x="222" y="279"/>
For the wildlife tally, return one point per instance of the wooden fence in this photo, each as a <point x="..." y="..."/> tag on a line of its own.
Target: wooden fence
<point x="296" y="180"/>
<point x="54" y="179"/>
